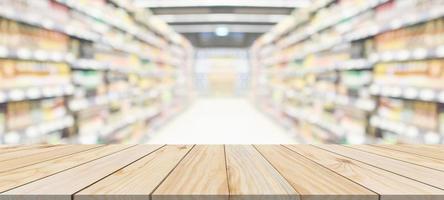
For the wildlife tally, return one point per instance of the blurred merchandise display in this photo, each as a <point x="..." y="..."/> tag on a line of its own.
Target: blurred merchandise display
<point x="355" y="71"/>
<point x="87" y="71"/>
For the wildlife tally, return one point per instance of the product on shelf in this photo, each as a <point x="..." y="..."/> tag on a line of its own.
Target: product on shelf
<point x="422" y="73"/>
<point x="2" y="120"/>
<point x="426" y="35"/>
<point x="23" y="38"/>
<point x="23" y="114"/>
<point x="328" y="63"/>
<point x="355" y="84"/>
<point x="20" y="74"/>
<point x="417" y="113"/>
<point x="90" y="123"/>
<point x="117" y="62"/>
<point x="441" y="120"/>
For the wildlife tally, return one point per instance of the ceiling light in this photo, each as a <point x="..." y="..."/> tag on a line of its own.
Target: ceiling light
<point x="222" y="31"/>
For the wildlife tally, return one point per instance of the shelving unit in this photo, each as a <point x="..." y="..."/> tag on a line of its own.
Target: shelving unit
<point x="79" y="74"/>
<point x="356" y="71"/>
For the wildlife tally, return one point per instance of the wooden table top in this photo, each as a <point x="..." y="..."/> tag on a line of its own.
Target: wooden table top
<point x="244" y="172"/>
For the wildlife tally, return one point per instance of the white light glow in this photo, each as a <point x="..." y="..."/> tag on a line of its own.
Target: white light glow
<point x="222" y="31"/>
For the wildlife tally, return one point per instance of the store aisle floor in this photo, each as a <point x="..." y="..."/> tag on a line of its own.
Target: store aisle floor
<point x="221" y="121"/>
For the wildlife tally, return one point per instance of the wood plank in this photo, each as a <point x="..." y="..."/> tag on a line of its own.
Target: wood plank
<point x="431" y="151"/>
<point x="64" y="184"/>
<point x="403" y="156"/>
<point x="423" y="174"/>
<point x="200" y="175"/>
<point x="18" y="177"/>
<point x="11" y="148"/>
<point x="138" y="180"/>
<point x="388" y="185"/>
<point x="251" y="177"/>
<point x="311" y="180"/>
<point x="29" y="151"/>
<point x="31" y="159"/>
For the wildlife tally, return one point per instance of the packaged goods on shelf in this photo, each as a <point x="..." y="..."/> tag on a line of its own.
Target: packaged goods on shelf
<point x="426" y="35"/>
<point x="23" y="74"/>
<point x="90" y="122"/>
<point x="346" y="57"/>
<point x="441" y="119"/>
<point x="17" y="36"/>
<point x="423" y="73"/>
<point x="92" y="66"/>
<point x="23" y="114"/>
<point x="421" y="114"/>
<point x="36" y="121"/>
<point x="2" y="120"/>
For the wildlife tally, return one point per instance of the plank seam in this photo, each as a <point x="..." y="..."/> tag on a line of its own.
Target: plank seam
<point x="383" y="147"/>
<point x="271" y="164"/>
<point x="52" y="158"/>
<point x="72" y="195"/>
<point x="49" y="149"/>
<point x="396" y="159"/>
<point x="169" y="173"/>
<point x="1" y="192"/>
<point x="21" y="148"/>
<point x="227" y="175"/>
<point x="383" y="169"/>
<point x="319" y="164"/>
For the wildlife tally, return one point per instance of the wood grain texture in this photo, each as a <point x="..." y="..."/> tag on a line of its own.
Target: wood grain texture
<point x="237" y="172"/>
<point x="29" y="151"/>
<point x="416" y="172"/>
<point x="64" y="184"/>
<point x="310" y="180"/>
<point x="11" y="148"/>
<point x="251" y="177"/>
<point x="58" y="152"/>
<point x="403" y="156"/>
<point x="388" y="185"/>
<point x="14" y="178"/>
<point x="432" y="151"/>
<point x="138" y="180"/>
<point x="201" y="175"/>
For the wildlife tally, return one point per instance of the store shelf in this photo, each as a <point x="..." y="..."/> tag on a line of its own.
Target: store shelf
<point x="406" y="55"/>
<point x="38" y="55"/>
<point x="37" y="131"/>
<point x="97" y="14"/>
<point x="336" y="130"/>
<point x="73" y="55"/>
<point x="356" y="64"/>
<point x="89" y="64"/>
<point x="45" y="23"/>
<point x="408" y="92"/>
<point x="143" y="115"/>
<point x="411" y="133"/>
<point x="319" y="5"/>
<point x="302" y="35"/>
<point x="385" y="57"/>
<point x="358" y="103"/>
<point x="78" y="32"/>
<point x="407" y="19"/>
<point x="157" y="171"/>
<point x="86" y="103"/>
<point x="32" y="93"/>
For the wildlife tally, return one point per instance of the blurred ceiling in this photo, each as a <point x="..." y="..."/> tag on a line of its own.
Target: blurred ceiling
<point x="221" y="23"/>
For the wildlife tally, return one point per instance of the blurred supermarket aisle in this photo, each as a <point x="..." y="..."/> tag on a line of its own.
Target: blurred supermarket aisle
<point x="112" y="71"/>
<point x="222" y="121"/>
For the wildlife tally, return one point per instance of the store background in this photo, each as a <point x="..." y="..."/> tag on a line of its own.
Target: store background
<point x="221" y="71"/>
